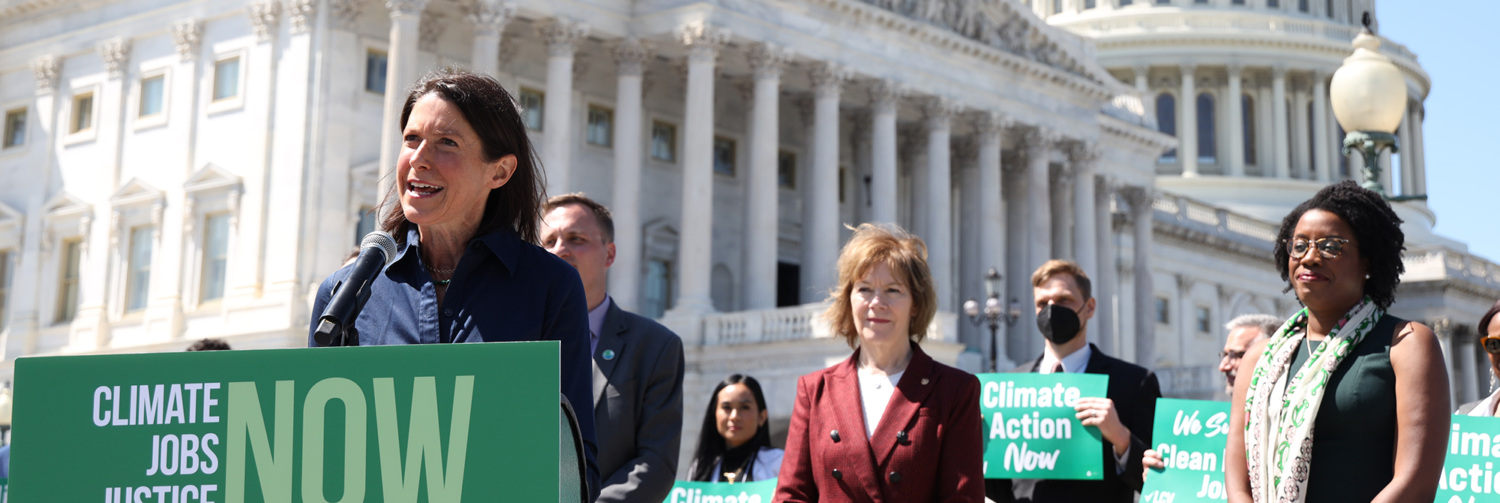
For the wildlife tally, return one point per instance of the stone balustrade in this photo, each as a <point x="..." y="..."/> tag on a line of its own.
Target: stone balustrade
<point x="1190" y="216"/>
<point x="1236" y="20"/>
<point x="794" y="323"/>
<point x="1437" y="263"/>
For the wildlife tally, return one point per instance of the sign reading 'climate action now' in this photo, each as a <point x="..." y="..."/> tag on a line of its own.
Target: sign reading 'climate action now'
<point x="434" y="423"/>
<point x="1031" y="428"/>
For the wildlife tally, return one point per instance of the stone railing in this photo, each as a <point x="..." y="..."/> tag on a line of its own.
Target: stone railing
<point x="1215" y="221"/>
<point x="794" y="323"/>
<point x="1437" y="263"/>
<point x="1199" y="381"/>
<point x="1235" y="20"/>
<point x="1129" y="108"/>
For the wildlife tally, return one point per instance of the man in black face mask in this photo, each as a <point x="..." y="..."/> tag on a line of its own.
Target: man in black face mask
<point x="1064" y="306"/>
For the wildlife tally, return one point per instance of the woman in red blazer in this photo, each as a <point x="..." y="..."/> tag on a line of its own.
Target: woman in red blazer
<point x="888" y="424"/>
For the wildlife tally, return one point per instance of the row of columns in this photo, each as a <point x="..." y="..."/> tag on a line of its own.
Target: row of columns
<point x="1284" y="148"/>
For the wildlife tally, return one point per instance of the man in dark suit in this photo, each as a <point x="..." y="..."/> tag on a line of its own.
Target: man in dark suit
<point x="1064" y="305"/>
<point x="638" y="363"/>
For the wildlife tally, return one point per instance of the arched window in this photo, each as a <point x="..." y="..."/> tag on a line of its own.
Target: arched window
<point x="1329" y="9"/>
<point x="1207" y="147"/>
<point x="1302" y="6"/>
<point x="1312" y="158"/>
<point x="1247" y="126"/>
<point x="1166" y="121"/>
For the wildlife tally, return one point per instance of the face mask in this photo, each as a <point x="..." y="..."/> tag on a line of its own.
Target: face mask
<point x="1058" y="323"/>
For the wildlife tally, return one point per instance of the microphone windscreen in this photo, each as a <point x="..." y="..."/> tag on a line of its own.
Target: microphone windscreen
<point x="383" y="241"/>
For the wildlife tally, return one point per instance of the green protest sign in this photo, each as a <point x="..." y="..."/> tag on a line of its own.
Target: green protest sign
<point x="1190" y="435"/>
<point x="1031" y="430"/>
<point x="429" y="423"/>
<point x="722" y="492"/>
<point x="1469" y="470"/>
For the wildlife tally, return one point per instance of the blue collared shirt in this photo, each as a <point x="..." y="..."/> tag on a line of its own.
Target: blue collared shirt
<point x="504" y="290"/>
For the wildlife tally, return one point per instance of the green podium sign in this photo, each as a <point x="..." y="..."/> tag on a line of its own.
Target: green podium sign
<point x="1190" y="435"/>
<point x="1031" y="431"/>
<point x="722" y="492"/>
<point x="430" y="423"/>
<point x="1471" y="470"/>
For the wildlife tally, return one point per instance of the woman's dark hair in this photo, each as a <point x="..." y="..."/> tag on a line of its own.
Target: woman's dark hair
<point x="492" y="112"/>
<point x="1484" y="321"/>
<point x="1376" y="228"/>
<point x="711" y="445"/>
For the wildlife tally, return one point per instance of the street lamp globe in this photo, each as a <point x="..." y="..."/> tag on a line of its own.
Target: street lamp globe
<point x="1368" y="93"/>
<point x="971" y="307"/>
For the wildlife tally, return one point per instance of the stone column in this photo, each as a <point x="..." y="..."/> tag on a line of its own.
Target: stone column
<point x="1186" y="318"/>
<point x="400" y="71"/>
<point x="1061" y="196"/>
<point x="1187" y="124"/>
<point x="1233" y="105"/>
<point x="1279" y="135"/>
<point x="631" y="56"/>
<point x="1403" y="135"/>
<point x="1021" y="337"/>
<point x="1142" y="216"/>
<point x="562" y="37"/>
<point x="1143" y="87"/>
<point x="767" y="61"/>
<point x="1085" y="234"/>
<point x="940" y="256"/>
<point x="26" y="307"/>
<point x="821" y="248"/>
<point x="489" y="18"/>
<point x="1038" y="143"/>
<point x="695" y="248"/>
<point x="291" y="143"/>
<point x="1265" y="130"/>
<point x="1321" y="142"/>
<point x="992" y="249"/>
<point x="884" y="96"/>
<point x="1107" y="269"/>
<point x="1301" y="163"/>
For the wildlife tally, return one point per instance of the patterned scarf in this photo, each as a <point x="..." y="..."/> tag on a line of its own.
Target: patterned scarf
<point x="1279" y="418"/>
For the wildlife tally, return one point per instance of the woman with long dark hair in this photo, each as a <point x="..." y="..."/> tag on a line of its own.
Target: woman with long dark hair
<point x="735" y="442"/>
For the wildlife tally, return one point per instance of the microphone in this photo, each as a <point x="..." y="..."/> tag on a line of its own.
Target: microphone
<point x="336" y="325"/>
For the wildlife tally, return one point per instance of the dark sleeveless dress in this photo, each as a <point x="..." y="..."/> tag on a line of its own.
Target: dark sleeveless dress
<point x="1354" y="435"/>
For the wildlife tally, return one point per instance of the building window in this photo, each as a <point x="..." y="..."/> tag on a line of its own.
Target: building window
<point x="1274" y="4"/>
<point x="1163" y="2"/>
<point x="601" y="126"/>
<point x="83" y="112"/>
<point x="532" y="104"/>
<point x="1240" y="2"/>
<point x="375" y="68"/>
<point x="215" y="257"/>
<point x="1125" y="2"/>
<point x="139" y="272"/>
<point x="1207" y="147"/>
<point x="15" y="128"/>
<point x="658" y="285"/>
<point x="227" y="78"/>
<point x="1247" y="126"/>
<point x="786" y="170"/>
<point x="723" y="156"/>
<point x="1202" y="317"/>
<point x="1327" y="9"/>
<point x="1201" y="2"/>
<point x="1302" y="6"/>
<point x="4" y="284"/>
<point x="663" y="141"/>
<point x="366" y="224"/>
<point x="152" y="89"/>
<point x="1163" y="311"/>
<point x="1166" y="121"/>
<point x="67" y="284"/>
<point x="1089" y="4"/>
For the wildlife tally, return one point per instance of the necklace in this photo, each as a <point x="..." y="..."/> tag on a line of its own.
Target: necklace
<point x="445" y="272"/>
<point x="1308" y="343"/>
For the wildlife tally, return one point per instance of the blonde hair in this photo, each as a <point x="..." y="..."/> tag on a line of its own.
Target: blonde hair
<point x="1057" y="267"/>
<point x="905" y="255"/>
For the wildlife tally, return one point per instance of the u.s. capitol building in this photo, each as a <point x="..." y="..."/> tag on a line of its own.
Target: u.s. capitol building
<point x="184" y="169"/>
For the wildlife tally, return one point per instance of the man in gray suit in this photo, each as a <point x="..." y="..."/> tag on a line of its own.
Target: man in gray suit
<point x="637" y="362"/>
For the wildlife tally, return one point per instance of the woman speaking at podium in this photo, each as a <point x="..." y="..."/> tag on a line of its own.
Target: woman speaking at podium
<point x="889" y="423"/>
<point x="466" y="267"/>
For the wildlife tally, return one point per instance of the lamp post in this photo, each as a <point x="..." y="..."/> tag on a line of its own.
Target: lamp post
<point x="1368" y="95"/>
<point x="992" y="313"/>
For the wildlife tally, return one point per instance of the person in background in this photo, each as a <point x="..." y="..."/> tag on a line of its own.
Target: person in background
<point x="1244" y="330"/>
<point x="468" y="194"/>
<point x="1344" y="402"/>
<point x="856" y="432"/>
<point x="1064" y="305"/>
<point x="638" y="364"/>
<point x="209" y="344"/>
<point x="734" y="444"/>
<point x="1489" y="341"/>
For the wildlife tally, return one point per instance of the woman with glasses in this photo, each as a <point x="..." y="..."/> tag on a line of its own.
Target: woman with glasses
<point x="1344" y="402"/>
<point x="889" y="423"/>
<point x="1490" y="341"/>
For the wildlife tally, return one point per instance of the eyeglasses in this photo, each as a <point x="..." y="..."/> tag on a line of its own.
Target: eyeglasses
<point x="1232" y="355"/>
<point x="1329" y="247"/>
<point x="1491" y="344"/>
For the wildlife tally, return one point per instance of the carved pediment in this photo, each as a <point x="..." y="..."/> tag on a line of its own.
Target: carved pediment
<point x="136" y="192"/>
<point x="65" y="205"/>
<point x="211" y="177"/>
<point x="11" y="222"/>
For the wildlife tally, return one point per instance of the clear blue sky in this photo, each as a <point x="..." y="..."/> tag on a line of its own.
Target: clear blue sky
<point x="1454" y="42"/>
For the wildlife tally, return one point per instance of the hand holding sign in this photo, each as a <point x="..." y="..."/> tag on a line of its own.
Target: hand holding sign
<point x="1033" y="425"/>
<point x="1188" y="458"/>
<point x="1101" y="413"/>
